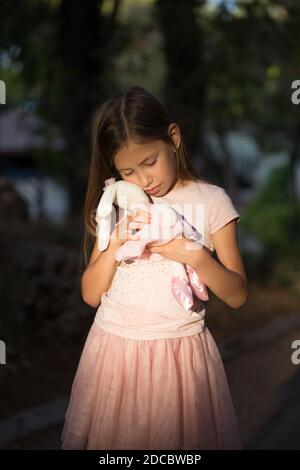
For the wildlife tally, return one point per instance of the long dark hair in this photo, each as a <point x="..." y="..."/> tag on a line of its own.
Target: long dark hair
<point x="134" y="115"/>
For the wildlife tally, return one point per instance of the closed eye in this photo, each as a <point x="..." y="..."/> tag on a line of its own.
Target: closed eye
<point x="147" y="164"/>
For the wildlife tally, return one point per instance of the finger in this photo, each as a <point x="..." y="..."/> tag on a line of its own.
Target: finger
<point x="140" y="213"/>
<point x="139" y="218"/>
<point x="132" y="236"/>
<point x="155" y="249"/>
<point x="143" y="219"/>
<point x="134" y="225"/>
<point x="154" y="244"/>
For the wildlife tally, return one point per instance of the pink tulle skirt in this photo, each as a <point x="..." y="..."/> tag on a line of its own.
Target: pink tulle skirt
<point x="169" y="393"/>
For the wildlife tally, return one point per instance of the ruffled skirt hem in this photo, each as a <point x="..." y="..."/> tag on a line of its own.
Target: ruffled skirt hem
<point x="150" y="394"/>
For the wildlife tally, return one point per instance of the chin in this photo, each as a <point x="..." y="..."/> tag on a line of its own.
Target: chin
<point x="159" y="194"/>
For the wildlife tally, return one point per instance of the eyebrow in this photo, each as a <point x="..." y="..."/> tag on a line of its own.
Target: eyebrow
<point x="143" y="161"/>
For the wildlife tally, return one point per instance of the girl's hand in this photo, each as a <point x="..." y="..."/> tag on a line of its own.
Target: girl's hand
<point x="123" y="229"/>
<point x="182" y="250"/>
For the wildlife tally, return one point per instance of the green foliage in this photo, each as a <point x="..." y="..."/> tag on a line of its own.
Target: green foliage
<point x="273" y="217"/>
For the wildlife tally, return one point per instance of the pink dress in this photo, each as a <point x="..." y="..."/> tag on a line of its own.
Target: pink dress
<point x="150" y="375"/>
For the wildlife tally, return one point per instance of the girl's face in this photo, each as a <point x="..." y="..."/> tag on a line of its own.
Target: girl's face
<point x="148" y="165"/>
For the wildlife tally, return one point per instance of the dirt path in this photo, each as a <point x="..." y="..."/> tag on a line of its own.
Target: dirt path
<point x="265" y="386"/>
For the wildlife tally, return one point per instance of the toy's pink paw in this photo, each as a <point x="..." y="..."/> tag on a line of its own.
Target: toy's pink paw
<point x="197" y="285"/>
<point x="182" y="292"/>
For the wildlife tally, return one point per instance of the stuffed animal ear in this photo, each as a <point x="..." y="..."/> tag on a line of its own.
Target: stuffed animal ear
<point x="104" y="214"/>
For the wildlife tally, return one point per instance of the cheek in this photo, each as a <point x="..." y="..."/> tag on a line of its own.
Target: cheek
<point x="166" y="168"/>
<point x="131" y="179"/>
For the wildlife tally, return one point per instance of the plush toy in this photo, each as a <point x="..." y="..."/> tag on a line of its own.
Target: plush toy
<point x="166" y="224"/>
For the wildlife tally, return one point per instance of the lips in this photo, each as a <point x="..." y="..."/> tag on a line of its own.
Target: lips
<point x="153" y="190"/>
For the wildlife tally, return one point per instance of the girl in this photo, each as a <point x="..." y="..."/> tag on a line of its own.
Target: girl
<point x="150" y="375"/>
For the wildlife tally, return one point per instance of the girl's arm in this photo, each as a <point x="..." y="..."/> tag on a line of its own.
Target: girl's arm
<point x="227" y="278"/>
<point x="99" y="274"/>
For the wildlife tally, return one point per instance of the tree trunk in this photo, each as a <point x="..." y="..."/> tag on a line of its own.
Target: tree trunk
<point x="185" y="83"/>
<point x="83" y="37"/>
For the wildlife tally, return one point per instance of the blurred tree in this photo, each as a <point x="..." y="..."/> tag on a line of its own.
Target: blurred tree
<point x="83" y="34"/>
<point x="239" y="49"/>
<point x="252" y="56"/>
<point x="227" y="65"/>
<point x="290" y="60"/>
<point x="63" y="50"/>
<point x="185" y="84"/>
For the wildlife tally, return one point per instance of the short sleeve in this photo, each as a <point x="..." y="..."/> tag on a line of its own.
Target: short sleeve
<point x="221" y="210"/>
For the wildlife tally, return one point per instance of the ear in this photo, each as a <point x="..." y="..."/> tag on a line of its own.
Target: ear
<point x="103" y="216"/>
<point x="130" y="196"/>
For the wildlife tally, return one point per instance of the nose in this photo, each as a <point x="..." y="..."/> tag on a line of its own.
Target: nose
<point x="146" y="181"/>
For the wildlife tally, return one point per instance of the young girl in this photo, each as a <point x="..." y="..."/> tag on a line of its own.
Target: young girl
<point x="150" y="374"/>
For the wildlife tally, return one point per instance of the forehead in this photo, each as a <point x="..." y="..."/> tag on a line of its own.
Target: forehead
<point x="132" y="153"/>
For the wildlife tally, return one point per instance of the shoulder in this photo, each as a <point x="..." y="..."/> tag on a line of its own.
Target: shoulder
<point x="208" y="190"/>
<point x="219" y="209"/>
<point x="217" y="205"/>
<point x="211" y="195"/>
